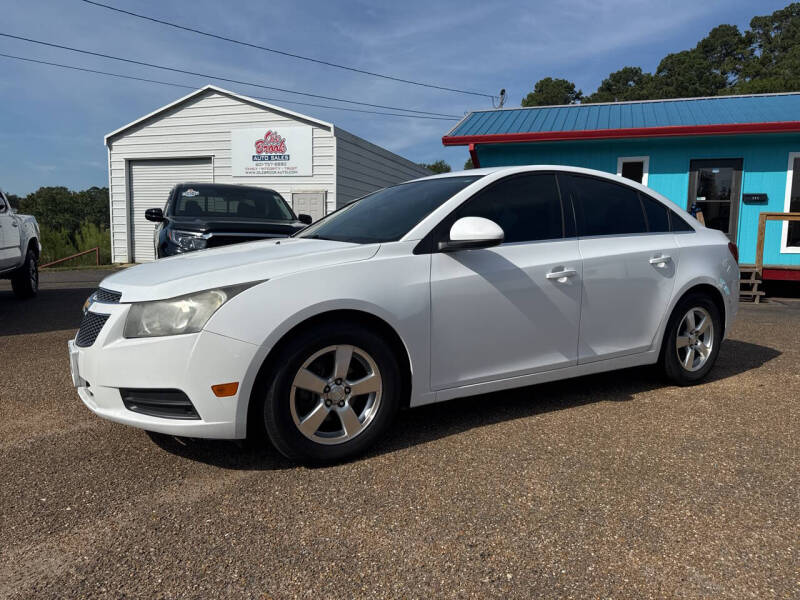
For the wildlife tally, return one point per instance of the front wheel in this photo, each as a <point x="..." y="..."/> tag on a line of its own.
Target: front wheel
<point x="25" y="281"/>
<point x="692" y="340"/>
<point x="335" y="393"/>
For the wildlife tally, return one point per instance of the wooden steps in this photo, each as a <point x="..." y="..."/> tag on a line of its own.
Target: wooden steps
<point x="749" y="282"/>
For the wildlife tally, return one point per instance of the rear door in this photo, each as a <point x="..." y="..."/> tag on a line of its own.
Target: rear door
<point x="512" y="309"/>
<point x="629" y="264"/>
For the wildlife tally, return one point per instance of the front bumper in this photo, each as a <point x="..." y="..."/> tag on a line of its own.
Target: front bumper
<point x="191" y="363"/>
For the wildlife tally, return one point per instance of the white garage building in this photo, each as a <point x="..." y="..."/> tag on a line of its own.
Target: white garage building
<point x="215" y="136"/>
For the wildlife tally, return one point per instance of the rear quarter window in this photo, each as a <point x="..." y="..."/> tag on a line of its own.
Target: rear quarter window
<point x="679" y="223"/>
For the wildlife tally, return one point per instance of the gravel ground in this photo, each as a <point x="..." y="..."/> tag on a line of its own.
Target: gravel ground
<point x="606" y="486"/>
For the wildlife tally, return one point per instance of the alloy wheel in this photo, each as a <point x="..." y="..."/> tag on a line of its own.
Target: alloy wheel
<point x="695" y="339"/>
<point x="336" y="394"/>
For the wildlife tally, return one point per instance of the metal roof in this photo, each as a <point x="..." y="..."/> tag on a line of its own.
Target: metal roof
<point x="688" y="116"/>
<point x="210" y="89"/>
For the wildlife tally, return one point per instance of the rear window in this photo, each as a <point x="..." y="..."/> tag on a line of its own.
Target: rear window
<point x="244" y="203"/>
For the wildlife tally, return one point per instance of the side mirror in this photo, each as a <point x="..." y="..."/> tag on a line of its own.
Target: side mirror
<point x="305" y="219"/>
<point x="473" y="232"/>
<point x="156" y="215"/>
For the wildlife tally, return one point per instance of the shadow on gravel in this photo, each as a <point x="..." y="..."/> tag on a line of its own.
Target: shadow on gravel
<point x="50" y="310"/>
<point x="432" y="422"/>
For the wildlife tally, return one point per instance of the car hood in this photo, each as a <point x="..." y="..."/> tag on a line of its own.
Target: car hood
<point x="234" y="224"/>
<point x="231" y="265"/>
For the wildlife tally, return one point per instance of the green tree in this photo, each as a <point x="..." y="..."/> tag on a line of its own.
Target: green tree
<point x="765" y="58"/>
<point x="774" y="65"/>
<point x="468" y="165"/>
<point x="70" y="221"/>
<point x="629" y="83"/>
<point x="439" y="166"/>
<point x="61" y="208"/>
<point x="91" y="235"/>
<point x="14" y="200"/>
<point x="726" y="51"/>
<point x="686" y="74"/>
<point x="549" y="91"/>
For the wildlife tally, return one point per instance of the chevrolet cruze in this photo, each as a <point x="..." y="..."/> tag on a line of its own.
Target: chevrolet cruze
<point x="435" y="289"/>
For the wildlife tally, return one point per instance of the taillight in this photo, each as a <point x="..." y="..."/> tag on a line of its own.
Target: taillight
<point x="734" y="251"/>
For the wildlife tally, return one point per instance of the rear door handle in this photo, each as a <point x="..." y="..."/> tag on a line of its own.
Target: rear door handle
<point x="657" y="260"/>
<point x="564" y="273"/>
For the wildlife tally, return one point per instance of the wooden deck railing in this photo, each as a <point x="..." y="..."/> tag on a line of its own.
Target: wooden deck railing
<point x="762" y="228"/>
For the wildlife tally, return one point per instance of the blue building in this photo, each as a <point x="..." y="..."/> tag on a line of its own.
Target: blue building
<point x="733" y="157"/>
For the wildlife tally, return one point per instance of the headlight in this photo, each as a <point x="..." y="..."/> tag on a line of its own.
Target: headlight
<point x="184" y="314"/>
<point x="187" y="240"/>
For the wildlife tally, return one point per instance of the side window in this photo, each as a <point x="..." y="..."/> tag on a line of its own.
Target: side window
<point x="678" y="222"/>
<point x="657" y="214"/>
<point x="527" y="207"/>
<point x="3" y="206"/>
<point x="605" y="208"/>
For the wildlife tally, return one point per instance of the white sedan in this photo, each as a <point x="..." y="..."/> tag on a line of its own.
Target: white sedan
<point x="439" y="288"/>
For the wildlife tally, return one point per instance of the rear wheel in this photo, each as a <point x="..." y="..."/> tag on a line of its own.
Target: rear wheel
<point x="25" y="281"/>
<point x="691" y="340"/>
<point x="334" y="394"/>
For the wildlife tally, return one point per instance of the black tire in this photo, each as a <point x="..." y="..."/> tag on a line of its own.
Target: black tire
<point x="273" y="400"/>
<point x="670" y="362"/>
<point x="25" y="282"/>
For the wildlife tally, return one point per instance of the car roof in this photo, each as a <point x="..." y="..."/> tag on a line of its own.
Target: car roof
<point x="511" y="169"/>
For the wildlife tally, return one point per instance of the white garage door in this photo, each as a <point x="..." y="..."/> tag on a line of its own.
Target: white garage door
<point x="150" y="184"/>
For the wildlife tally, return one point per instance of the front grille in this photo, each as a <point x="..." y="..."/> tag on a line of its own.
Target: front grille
<point x="226" y="240"/>
<point x="167" y="404"/>
<point x="107" y="296"/>
<point x="91" y="324"/>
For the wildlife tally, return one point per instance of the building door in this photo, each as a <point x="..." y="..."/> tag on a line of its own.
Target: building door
<point x="310" y="203"/>
<point x="714" y="185"/>
<point x="150" y="184"/>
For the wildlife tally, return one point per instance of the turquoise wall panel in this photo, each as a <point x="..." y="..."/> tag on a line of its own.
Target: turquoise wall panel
<point x="764" y="157"/>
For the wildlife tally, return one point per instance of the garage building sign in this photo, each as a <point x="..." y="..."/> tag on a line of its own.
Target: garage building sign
<point x="274" y="151"/>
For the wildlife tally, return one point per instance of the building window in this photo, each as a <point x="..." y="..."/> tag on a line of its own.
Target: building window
<point x="791" y="229"/>
<point x="634" y="168"/>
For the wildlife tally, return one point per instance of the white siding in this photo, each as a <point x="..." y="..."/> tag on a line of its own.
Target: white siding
<point x="201" y="127"/>
<point x="363" y="167"/>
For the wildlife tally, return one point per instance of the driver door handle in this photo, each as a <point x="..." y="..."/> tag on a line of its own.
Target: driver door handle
<point x="562" y="273"/>
<point x="660" y="259"/>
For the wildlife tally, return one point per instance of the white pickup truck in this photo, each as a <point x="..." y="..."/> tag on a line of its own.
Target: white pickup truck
<point x="19" y="250"/>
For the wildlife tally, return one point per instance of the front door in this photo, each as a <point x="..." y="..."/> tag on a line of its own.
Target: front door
<point x="714" y="185"/>
<point x="505" y="311"/>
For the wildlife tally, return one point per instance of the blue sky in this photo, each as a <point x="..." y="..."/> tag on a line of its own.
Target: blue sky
<point x="52" y="121"/>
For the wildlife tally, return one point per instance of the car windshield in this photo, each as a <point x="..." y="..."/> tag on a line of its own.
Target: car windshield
<point x="244" y="203"/>
<point x="388" y="214"/>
